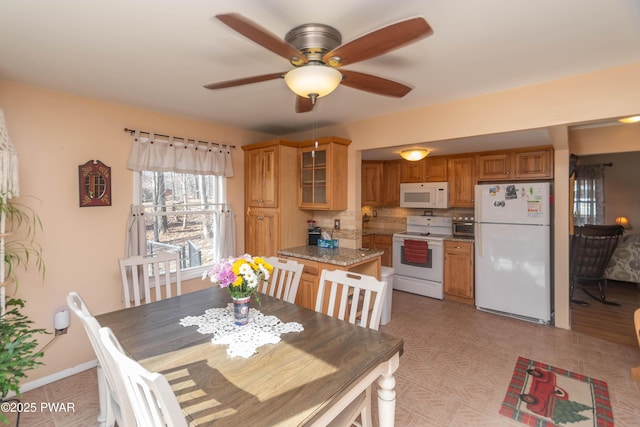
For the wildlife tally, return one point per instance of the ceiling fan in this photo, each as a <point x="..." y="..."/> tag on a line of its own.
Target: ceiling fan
<point x="317" y="53"/>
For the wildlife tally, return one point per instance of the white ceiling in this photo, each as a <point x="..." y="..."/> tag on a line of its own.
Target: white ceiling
<point x="158" y="54"/>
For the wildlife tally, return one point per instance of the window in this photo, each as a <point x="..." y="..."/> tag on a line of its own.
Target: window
<point x="588" y="202"/>
<point x="182" y="213"/>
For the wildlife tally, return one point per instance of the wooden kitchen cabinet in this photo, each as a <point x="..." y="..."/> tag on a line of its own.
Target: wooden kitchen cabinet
<point x="371" y="183"/>
<point x="262" y="231"/>
<point x="435" y="169"/>
<point x="429" y="169"/>
<point x="261" y="165"/>
<point x="367" y="241"/>
<point x="272" y="218"/>
<point x="516" y="165"/>
<point x="462" y="181"/>
<point x="458" y="271"/>
<point x="411" y="171"/>
<point x="323" y="174"/>
<point x="381" y="242"/>
<point x="384" y="242"/>
<point x="390" y="187"/>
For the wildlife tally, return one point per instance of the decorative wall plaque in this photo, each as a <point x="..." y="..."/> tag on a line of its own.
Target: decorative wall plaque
<point x="95" y="184"/>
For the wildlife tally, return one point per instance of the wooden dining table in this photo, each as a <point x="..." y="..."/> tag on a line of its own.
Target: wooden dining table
<point x="302" y="380"/>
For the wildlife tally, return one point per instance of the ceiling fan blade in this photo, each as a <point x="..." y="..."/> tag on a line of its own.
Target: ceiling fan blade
<point x="373" y="84"/>
<point x="303" y="104"/>
<point x="245" y="81"/>
<point x="263" y="37"/>
<point x="379" y="41"/>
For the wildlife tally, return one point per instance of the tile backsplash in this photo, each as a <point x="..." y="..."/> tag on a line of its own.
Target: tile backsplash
<point x="352" y="223"/>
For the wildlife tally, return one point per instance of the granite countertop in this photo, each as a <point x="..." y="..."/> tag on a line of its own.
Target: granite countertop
<point x="381" y="231"/>
<point x="460" y="239"/>
<point x="339" y="256"/>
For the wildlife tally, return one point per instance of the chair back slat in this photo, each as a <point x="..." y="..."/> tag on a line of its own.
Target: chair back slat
<point x="355" y="298"/>
<point x="285" y="279"/>
<point x="137" y="271"/>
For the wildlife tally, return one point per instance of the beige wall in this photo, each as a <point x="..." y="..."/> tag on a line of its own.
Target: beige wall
<point x="53" y="133"/>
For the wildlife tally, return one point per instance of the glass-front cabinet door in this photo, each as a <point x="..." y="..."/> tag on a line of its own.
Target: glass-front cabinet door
<point x="323" y="174"/>
<point x="314" y="172"/>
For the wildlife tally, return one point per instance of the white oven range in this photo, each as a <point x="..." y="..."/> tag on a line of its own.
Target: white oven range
<point x="419" y="266"/>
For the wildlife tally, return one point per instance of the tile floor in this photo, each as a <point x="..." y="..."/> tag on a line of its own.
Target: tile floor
<point x="456" y="367"/>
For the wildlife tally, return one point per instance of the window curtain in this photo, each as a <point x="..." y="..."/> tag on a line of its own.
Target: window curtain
<point x="225" y="227"/>
<point x="589" y="195"/>
<point x="187" y="156"/>
<point x="136" y="243"/>
<point x="167" y="155"/>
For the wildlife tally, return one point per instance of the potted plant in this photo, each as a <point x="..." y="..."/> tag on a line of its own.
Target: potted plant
<point x="19" y="224"/>
<point x="18" y="355"/>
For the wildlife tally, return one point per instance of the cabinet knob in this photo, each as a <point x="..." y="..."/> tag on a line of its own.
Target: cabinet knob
<point x="260" y="218"/>
<point x="508" y="172"/>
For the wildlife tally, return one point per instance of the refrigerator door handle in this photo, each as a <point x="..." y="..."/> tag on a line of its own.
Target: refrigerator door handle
<point x="478" y="205"/>
<point x="478" y="238"/>
<point x="477" y="216"/>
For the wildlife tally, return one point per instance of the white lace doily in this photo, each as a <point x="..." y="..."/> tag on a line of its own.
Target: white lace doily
<point x="243" y="340"/>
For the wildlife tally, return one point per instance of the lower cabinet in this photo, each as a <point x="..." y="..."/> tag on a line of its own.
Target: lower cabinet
<point x="381" y="242"/>
<point x="384" y="243"/>
<point x="458" y="271"/>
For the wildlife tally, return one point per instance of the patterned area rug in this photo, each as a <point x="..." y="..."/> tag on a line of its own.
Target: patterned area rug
<point x="542" y="395"/>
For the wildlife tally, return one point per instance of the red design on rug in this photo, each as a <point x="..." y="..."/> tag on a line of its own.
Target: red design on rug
<point x="546" y="396"/>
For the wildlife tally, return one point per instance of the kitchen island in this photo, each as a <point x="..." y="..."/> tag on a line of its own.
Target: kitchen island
<point x="316" y="259"/>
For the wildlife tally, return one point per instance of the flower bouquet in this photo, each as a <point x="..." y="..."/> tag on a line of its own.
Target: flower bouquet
<point x="241" y="276"/>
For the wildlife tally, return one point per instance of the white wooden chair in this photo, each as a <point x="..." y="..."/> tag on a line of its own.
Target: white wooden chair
<point x="284" y="280"/>
<point x="114" y="402"/>
<point x="357" y="299"/>
<point x="136" y="272"/>
<point x="153" y="401"/>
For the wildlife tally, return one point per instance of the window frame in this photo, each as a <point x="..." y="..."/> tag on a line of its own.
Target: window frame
<point x="191" y="272"/>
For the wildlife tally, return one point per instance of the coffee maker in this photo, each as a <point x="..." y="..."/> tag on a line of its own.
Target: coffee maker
<point x="314" y="236"/>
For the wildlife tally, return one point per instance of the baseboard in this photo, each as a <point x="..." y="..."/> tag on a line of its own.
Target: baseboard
<point x="55" y="377"/>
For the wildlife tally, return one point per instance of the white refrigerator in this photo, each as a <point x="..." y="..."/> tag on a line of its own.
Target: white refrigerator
<point x="513" y="250"/>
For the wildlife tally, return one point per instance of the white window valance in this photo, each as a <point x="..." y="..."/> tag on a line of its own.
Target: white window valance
<point x="162" y="154"/>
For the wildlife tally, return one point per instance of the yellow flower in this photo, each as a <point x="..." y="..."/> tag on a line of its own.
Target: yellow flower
<point x="236" y="266"/>
<point x="259" y="261"/>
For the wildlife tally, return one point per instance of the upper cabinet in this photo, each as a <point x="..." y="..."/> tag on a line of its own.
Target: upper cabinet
<point x="429" y="169"/>
<point x="261" y="166"/>
<point x="391" y="183"/>
<point x="462" y="181"/>
<point x="323" y="174"/>
<point x="271" y="199"/>
<point x="516" y="165"/>
<point x="371" y="180"/>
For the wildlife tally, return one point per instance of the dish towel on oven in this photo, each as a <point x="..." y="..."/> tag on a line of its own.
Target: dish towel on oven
<point x="416" y="251"/>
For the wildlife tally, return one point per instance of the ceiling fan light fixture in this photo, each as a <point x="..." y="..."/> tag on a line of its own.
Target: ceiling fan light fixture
<point x="415" y="154"/>
<point x="313" y="79"/>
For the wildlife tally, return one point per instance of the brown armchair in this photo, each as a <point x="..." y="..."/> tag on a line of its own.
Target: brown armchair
<point x="590" y="251"/>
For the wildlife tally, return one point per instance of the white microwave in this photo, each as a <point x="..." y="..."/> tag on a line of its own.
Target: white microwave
<point x="422" y="195"/>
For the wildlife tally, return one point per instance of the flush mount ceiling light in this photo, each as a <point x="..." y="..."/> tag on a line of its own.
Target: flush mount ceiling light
<point x="414" y="154"/>
<point x="632" y="119"/>
<point x="313" y="81"/>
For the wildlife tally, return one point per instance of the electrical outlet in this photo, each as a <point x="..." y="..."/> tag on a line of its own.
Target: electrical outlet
<point x="336" y="224"/>
<point x="60" y="332"/>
